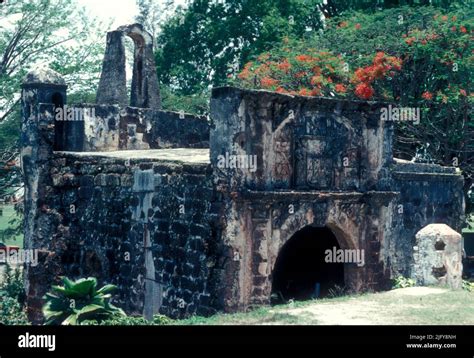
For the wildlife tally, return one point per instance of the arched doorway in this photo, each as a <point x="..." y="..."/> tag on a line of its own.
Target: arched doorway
<point x="301" y="272"/>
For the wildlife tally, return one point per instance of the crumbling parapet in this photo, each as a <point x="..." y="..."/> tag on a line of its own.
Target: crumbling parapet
<point x="437" y="256"/>
<point x="112" y="89"/>
<point x="267" y="140"/>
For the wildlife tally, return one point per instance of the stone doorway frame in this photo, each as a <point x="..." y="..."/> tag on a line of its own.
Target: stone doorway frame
<point x="261" y="225"/>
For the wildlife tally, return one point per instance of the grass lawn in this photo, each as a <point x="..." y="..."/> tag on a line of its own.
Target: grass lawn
<point x="8" y="214"/>
<point x="412" y="306"/>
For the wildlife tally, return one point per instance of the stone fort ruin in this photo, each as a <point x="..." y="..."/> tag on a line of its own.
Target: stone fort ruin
<point x="167" y="206"/>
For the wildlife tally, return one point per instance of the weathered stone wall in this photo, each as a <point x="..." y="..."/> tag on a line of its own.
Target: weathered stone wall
<point x="86" y="215"/>
<point x="258" y="224"/>
<point x="101" y="131"/>
<point x="299" y="142"/>
<point x="95" y="216"/>
<point x="130" y="128"/>
<point x="181" y="230"/>
<point x="145" y="91"/>
<point x="331" y="162"/>
<point x="113" y="78"/>
<point x="179" y="130"/>
<point x="147" y="129"/>
<point x="37" y="140"/>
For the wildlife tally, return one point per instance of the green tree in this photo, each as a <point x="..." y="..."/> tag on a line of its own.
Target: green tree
<point x="197" y="103"/>
<point x="438" y="66"/>
<point x="332" y="8"/>
<point x="202" y="45"/>
<point x="54" y="32"/>
<point x="435" y="49"/>
<point x="57" y="33"/>
<point x="152" y="14"/>
<point x="210" y="40"/>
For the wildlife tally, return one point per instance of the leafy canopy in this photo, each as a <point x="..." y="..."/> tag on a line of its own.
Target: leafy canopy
<point x="418" y="58"/>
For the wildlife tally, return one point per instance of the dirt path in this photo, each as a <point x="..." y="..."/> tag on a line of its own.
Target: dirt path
<point x="383" y="308"/>
<point x="405" y="306"/>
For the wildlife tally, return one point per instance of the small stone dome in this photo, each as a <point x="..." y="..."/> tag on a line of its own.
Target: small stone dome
<point x="44" y="75"/>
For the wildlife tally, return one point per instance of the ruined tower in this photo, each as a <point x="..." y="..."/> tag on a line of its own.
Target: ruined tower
<point x="112" y="89"/>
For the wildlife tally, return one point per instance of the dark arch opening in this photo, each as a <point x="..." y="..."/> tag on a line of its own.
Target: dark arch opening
<point x="59" y="128"/>
<point x="68" y="133"/>
<point x="301" y="272"/>
<point x="137" y="97"/>
<point x="57" y="99"/>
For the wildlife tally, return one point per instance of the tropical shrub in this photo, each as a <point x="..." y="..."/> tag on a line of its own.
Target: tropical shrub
<point x="12" y="284"/>
<point x="310" y="73"/>
<point x="173" y="101"/>
<point x="403" y="282"/>
<point x="79" y="301"/>
<point x="158" y="320"/>
<point x="315" y="73"/>
<point x="468" y="286"/>
<point x="11" y="311"/>
<point x="12" y="298"/>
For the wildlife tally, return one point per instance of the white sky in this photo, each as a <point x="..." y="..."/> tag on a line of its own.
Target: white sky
<point x="121" y="11"/>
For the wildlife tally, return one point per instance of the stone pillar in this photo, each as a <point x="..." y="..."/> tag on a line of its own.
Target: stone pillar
<point x="143" y="188"/>
<point x="437" y="256"/>
<point x="113" y="81"/>
<point x="42" y="89"/>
